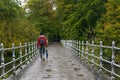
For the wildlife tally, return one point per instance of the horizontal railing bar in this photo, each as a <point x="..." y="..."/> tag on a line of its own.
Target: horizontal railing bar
<point x="17" y="66"/>
<point x="1" y="76"/>
<point x="96" y="64"/>
<point x="106" y="69"/>
<point x="17" y="59"/>
<point x="7" y="49"/>
<point x="116" y="65"/>
<point x="109" y="47"/>
<point x="25" y="61"/>
<point x="117" y="48"/>
<point x="96" y="45"/>
<point x="16" y="47"/>
<point x="8" y="71"/>
<point x="24" y="55"/>
<point x="88" y="59"/>
<point x="117" y="75"/>
<point x="96" y="57"/>
<point x="82" y="49"/>
<point x="8" y="63"/>
<point x="106" y="61"/>
<point x="89" y="54"/>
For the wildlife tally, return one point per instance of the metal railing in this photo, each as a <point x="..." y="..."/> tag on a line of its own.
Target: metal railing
<point x="95" y="55"/>
<point x="14" y="58"/>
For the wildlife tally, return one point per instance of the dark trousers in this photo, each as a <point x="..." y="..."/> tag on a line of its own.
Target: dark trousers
<point x="41" y="51"/>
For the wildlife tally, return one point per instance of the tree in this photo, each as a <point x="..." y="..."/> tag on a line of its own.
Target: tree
<point x="42" y="16"/>
<point x="11" y="25"/>
<point x="78" y="18"/>
<point x="109" y="23"/>
<point x="108" y="27"/>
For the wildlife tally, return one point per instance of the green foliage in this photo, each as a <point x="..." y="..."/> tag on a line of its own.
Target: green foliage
<point x="80" y="16"/>
<point x="108" y="26"/>
<point x="43" y="16"/>
<point x="14" y="27"/>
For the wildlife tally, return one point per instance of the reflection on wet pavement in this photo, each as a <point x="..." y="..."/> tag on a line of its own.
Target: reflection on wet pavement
<point x="61" y="65"/>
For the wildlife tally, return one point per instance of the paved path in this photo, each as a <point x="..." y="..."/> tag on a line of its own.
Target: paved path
<point x="61" y="65"/>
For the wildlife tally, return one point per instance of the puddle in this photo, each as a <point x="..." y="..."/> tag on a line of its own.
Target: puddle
<point x="80" y="75"/>
<point x="48" y="70"/>
<point x="76" y="69"/>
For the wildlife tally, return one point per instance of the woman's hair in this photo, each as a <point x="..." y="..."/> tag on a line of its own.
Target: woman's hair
<point x="41" y="33"/>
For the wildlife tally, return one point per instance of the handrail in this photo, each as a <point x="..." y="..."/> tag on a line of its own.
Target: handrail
<point x="81" y="48"/>
<point x="21" y="55"/>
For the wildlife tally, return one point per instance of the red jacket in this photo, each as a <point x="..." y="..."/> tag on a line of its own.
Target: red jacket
<point x="39" y="38"/>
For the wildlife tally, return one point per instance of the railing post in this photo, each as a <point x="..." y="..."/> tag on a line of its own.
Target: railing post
<point x="2" y="61"/>
<point x="101" y="53"/>
<point x="72" y="42"/>
<point x="82" y="50"/>
<point x="65" y="43"/>
<point x="35" y="49"/>
<point x="73" y="46"/>
<point x="20" y="54"/>
<point x="79" y="50"/>
<point x="32" y="50"/>
<point x="29" y="50"/>
<point x="76" y="47"/>
<point x="26" y="52"/>
<point x="13" y="58"/>
<point x="113" y="61"/>
<point x="76" y="42"/>
<point x="92" y="56"/>
<point x="86" y="52"/>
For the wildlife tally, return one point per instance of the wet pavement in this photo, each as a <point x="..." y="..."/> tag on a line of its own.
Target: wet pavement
<point x="61" y="65"/>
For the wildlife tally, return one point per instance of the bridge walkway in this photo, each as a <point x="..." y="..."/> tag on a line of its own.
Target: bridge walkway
<point x="61" y="65"/>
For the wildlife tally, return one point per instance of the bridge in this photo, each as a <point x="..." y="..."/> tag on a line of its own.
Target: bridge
<point x="71" y="60"/>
